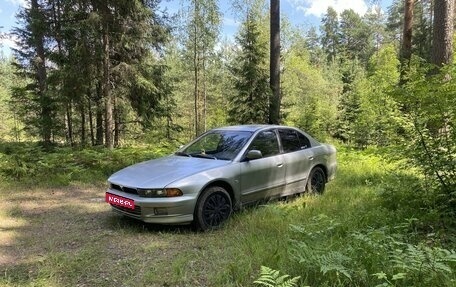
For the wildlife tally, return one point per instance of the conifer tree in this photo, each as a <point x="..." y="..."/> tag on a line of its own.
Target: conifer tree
<point x="250" y="104"/>
<point x="202" y="32"/>
<point x="33" y="58"/>
<point x="88" y="60"/>
<point x="442" y="41"/>
<point x="274" y="63"/>
<point x="330" y="34"/>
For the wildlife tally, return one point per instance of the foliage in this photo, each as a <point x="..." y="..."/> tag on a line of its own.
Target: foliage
<point x="250" y="104"/>
<point x="203" y="25"/>
<point x="388" y="251"/>
<point x="369" y="228"/>
<point x="330" y="34"/>
<point x="28" y="162"/>
<point x="418" y="264"/>
<point x="429" y="105"/>
<point x="349" y="103"/>
<point x="10" y="126"/>
<point x="330" y="263"/>
<point x="355" y="42"/>
<point x="309" y="102"/>
<point x="73" y="65"/>
<point x="271" y="278"/>
<point x="378" y="114"/>
<point x="387" y="220"/>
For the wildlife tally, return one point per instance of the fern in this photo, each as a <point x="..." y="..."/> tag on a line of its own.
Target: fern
<point x="422" y="261"/>
<point x="315" y="258"/>
<point x="272" y="278"/>
<point x="334" y="261"/>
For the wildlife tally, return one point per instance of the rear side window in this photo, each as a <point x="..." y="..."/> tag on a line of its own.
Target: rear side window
<point x="293" y="140"/>
<point x="290" y="140"/>
<point x="305" y="142"/>
<point x="266" y="142"/>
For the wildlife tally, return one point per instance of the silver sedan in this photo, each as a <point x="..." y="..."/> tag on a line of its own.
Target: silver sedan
<point x="220" y="171"/>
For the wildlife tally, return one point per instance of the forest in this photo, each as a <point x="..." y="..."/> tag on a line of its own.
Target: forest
<point x="96" y="85"/>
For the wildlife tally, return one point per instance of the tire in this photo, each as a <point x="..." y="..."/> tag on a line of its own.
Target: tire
<point x="213" y="208"/>
<point x="316" y="182"/>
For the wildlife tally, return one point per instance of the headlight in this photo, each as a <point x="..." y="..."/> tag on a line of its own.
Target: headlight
<point x="165" y="192"/>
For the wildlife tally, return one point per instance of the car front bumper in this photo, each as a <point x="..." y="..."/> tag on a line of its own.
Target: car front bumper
<point x="168" y="210"/>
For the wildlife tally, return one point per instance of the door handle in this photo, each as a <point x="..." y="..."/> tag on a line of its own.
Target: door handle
<point x="310" y="157"/>
<point x="279" y="164"/>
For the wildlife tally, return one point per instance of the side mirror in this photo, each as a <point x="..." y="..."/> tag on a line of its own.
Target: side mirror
<point x="253" y="154"/>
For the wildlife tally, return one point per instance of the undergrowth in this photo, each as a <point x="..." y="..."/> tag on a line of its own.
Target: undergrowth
<point x="377" y="224"/>
<point x="30" y="163"/>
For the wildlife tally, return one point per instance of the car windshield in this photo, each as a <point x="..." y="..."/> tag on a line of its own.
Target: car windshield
<point x="218" y="144"/>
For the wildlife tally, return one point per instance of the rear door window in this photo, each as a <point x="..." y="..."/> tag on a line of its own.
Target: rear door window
<point x="293" y="140"/>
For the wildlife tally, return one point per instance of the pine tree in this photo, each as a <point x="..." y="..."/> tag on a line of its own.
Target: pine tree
<point x="406" y="49"/>
<point x="313" y="46"/>
<point x="250" y="104"/>
<point x="330" y="34"/>
<point x="274" y="63"/>
<point x="442" y="41"/>
<point x="33" y="58"/>
<point x="355" y="37"/>
<point x="86" y="59"/>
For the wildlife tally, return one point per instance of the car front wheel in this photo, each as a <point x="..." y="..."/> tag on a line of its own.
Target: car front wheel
<point x="317" y="181"/>
<point x="214" y="207"/>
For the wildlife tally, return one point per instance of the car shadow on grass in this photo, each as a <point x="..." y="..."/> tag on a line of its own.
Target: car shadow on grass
<point x="119" y="222"/>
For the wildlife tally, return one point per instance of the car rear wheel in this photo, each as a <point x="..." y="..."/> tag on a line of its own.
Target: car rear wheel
<point x="317" y="181"/>
<point x="214" y="207"/>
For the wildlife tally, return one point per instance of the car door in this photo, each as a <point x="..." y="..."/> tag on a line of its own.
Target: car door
<point x="297" y="157"/>
<point x="263" y="177"/>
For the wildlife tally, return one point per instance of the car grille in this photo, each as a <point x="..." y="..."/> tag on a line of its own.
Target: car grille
<point x="124" y="188"/>
<point x="136" y="211"/>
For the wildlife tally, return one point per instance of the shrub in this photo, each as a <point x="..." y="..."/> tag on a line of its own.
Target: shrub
<point x="373" y="256"/>
<point x="30" y="163"/>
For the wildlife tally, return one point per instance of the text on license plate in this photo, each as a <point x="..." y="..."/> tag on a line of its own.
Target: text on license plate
<point x="120" y="201"/>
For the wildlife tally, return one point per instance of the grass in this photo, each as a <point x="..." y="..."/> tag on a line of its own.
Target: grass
<point x="361" y="232"/>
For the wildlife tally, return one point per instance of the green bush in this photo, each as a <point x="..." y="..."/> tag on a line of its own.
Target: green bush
<point x="429" y="113"/>
<point x="29" y="163"/>
<point x="371" y="257"/>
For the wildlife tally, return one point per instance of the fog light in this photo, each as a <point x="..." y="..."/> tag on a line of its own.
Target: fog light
<point x="160" y="211"/>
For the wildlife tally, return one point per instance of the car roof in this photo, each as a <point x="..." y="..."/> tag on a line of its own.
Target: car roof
<point x="249" y="128"/>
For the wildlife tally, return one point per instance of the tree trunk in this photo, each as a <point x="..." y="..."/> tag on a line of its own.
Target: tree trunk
<point x="406" y="51"/>
<point x="99" y="116"/>
<point x="274" y="103"/>
<point x="442" y="40"/>
<point x="107" y="95"/>
<point x="83" y="124"/>
<point x="204" y="95"/>
<point x="89" y="101"/>
<point x="69" y="124"/>
<point x="196" y="79"/>
<point x="117" y="125"/>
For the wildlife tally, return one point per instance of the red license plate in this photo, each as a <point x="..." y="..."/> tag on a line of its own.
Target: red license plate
<point x="120" y="201"/>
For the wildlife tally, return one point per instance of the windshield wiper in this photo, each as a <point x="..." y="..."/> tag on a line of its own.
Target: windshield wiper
<point x="181" y="153"/>
<point x="203" y="155"/>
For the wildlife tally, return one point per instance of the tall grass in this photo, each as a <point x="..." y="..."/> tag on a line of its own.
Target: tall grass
<point x="374" y="226"/>
<point x="353" y="235"/>
<point x="30" y="163"/>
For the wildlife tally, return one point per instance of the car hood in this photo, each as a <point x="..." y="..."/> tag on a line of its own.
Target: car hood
<point x="158" y="173"/>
